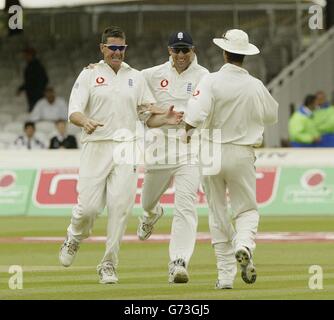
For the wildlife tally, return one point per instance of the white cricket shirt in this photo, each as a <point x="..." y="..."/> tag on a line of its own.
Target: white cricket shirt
<point x="45" y="111"/>
<point x="171" y="88"/>
<point x="111" y="98"/>
<point x="235" y="102"/>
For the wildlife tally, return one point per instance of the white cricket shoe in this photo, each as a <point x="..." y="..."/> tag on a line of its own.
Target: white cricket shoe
<point x="146" y="225"/>
<point x="178" y="272"/>
<point x="107" y="273"/>
<point x="223" y="285"/>
<point x="68" y="252"/>
<point x="248" y="271"/>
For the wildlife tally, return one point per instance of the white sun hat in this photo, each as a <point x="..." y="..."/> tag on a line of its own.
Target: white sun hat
<point x="236" y="41"/>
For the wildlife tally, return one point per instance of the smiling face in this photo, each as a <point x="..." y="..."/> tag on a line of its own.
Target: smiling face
<point x="112" y="57"/>
<point x="181" y="59"/>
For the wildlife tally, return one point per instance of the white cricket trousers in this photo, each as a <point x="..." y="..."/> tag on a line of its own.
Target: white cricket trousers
<point x="102" y="182"/>
<point x="184" y="225"/>
<point x="238" y="175"/>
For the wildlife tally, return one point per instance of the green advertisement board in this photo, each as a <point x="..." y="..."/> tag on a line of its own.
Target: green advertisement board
<point x="280" y="191"/>
<point x="15" y="190"/>
<point x="302" y="191"/>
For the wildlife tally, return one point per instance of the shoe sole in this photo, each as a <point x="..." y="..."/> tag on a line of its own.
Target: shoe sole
<point x="223" y="287"/>
<point x="153" y="223"/>
<point x="108" y="282"/>
<point x="226" y="286"/>
<point x="181" y="277"/>
<point x="248" y="272"/>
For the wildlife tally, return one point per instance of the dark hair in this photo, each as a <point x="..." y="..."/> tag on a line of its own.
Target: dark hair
<point x="112" y="31"/>
<point x="309" y="99"/>
<point x="234" y="57"/>
<point x="29" y="124"/>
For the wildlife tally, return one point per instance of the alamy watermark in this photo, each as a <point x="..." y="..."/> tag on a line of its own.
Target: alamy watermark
<point x="16" y="19"/>
<point x="15" y="282"/>
<point x="316" y="279"/>
<point x="156" y="147"/>
<point x="316" y="21"/>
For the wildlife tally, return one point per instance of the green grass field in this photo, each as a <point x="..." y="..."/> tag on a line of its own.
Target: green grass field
<point x="283" y="268"/>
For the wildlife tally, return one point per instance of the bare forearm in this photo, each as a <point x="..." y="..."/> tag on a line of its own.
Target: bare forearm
<point x="156" y="120"/>
<point x="78" y="119"/>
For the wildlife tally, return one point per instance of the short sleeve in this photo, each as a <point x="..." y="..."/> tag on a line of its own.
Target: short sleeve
<point x="145" y="95"/>
<point x="200" y="104"/>
<point x="270" y="106"/>
<point x="80" y="93"/>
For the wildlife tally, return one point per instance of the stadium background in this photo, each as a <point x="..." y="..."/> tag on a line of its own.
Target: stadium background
<point x="295" y="187"/>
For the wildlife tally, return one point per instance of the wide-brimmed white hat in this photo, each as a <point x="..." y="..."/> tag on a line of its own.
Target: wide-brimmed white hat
<point x="236" y="41"/>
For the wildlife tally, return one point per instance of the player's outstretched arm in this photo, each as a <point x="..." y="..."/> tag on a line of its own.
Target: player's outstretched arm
<point x="80" y="120"/>
<point x="170" y="117"/>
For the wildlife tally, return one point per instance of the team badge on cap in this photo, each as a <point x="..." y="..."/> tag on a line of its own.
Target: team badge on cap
<point x="180" y="35"/>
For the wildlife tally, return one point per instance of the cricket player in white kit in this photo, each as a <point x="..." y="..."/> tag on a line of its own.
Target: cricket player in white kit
<point x="105" y="102"/>
<point x="173" y="83"/>
<point x="239" y="105"/>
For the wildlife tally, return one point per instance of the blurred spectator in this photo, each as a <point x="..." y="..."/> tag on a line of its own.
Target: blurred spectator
<point x="324" y="120"/>
<point x="62" y="139"/>
<point x="302" y="128"/>
<point x="35" y="78"/>
<point x="49" y="108"/>
<point x="28" y="140"/>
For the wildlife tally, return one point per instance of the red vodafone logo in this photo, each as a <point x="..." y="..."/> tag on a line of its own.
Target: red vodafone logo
<point x="313" y="179"/>
<point x="7" y="179"/>
<point x="196" y="93"/>
<point x="164" y="83"/>
<point x="100" y="80"/>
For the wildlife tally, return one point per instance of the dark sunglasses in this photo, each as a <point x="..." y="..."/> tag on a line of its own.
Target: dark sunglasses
<point x="115" y="47"/>
<point x="184" y="50"/>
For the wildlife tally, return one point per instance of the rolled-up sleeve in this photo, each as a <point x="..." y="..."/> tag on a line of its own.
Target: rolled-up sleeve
<point x="80" y="93"/>
<point x="200" y="104"/>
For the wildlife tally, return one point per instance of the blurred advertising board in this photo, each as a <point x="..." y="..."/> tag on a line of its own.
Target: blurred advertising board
<point x="289" y="182"/>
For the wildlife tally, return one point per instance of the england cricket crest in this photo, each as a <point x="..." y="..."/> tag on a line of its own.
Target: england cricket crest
<point x="189" y="87"/>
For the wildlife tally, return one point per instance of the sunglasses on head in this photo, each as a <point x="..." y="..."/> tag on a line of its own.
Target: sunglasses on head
<point x="113" y="47"/>
<point x="184" y="50"/>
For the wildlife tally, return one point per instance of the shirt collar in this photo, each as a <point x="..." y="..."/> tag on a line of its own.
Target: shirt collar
<point x="305" y="111"/>
<point x="324" y="105"/>
<point x="123" y="65"/>
<point x="233" y="67"/>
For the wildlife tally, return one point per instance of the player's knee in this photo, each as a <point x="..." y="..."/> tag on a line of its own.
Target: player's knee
<point x="89" y="211"/>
